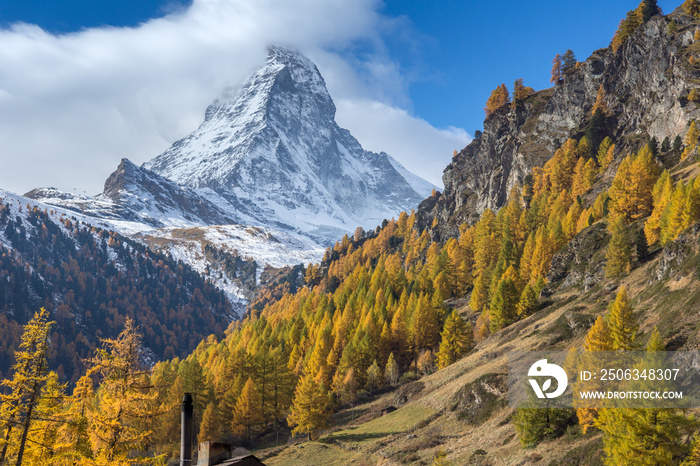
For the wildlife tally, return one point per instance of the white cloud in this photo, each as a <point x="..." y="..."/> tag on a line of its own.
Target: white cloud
<point x="72" y="106"/>
<point x="419" y="147"/>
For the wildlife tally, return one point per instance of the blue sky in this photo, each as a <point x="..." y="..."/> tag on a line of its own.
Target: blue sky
<point x="107" y="79"/>
<point x="70" y="16"/>
<point x="473" y="46"/>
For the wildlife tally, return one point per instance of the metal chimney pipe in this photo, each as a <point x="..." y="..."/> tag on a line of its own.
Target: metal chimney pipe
<point x="186" y="430"/>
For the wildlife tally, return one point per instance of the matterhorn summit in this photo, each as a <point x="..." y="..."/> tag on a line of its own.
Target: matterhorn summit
<point x="268" y="154"/>
<point x="273" y="155"/>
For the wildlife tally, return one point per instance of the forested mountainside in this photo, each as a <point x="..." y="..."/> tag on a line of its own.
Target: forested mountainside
<point x="395" y="350"/>
<point x="90" y="280"/>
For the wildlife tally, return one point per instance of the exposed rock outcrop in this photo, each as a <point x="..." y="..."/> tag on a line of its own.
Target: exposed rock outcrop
<point x="646" y="83"/>
<point x="582" y="261"/>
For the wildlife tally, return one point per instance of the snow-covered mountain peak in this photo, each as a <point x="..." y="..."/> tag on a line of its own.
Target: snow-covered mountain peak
<point x="273" y="151"/>
<point x="285" y="97"/>
<point x="305" y="77"/>
<point x="268" y="154"/>
<point x="285" y="73"/>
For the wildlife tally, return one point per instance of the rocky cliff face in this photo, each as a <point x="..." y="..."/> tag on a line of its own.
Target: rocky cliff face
<point x="646" y="83"/>
<point x="158" y="200"/>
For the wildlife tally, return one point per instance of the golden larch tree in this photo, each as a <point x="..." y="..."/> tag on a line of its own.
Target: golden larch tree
<point x="622" y="323"/>
<point x="557" y="71"/>
<point x="391" y="371"/>
<point x="73" y="443"/>
<point x="520" y="92"/>
<point x="500" y="97"/>
<point x="661" y="195"/>
<point x="598" y="338"/>
<point x="23" y="390"/>
<point x="209" y="427"/>
<point x="118" y="420"/>
<point x="646" y="435"/>
<point x="692" y="8"/>
<point x="691" y="140"/>
<point x="43" y="438"/>
<point x="631" y="190"/>
<point x="600" y="101"/>
<point x="310" y="409"/>
<point x="247" y="414"/>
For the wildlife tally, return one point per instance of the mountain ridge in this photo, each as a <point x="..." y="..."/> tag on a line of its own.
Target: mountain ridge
<point x="91" y="279"/>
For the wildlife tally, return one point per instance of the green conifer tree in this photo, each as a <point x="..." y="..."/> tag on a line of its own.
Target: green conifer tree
<point x="533" y="425"/>
<point x="504" y="305"/>
<point x="649" y="9"/>
<point x="568" y="61"/>
<point x="457" y="339"/>
<point x="528" y="301"/>
<point x="619" y="252"/>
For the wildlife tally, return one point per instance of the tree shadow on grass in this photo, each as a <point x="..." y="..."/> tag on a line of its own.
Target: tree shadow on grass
<point x="352" y="437"/>
<point x="347" y="416"/>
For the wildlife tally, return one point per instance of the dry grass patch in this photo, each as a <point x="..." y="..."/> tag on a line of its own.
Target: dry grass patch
<point x="317" y="454"/>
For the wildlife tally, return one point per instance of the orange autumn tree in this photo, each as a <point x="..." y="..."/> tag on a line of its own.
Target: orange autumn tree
<point x="520" y="92"/>
<point x="248" y="413"/>
<point x="600" y="101"/>
<point x="598" y="338"/>
<point x="557" y="70"/>
<point x="310" y="410"/>
<point x="631" y="191"/>
<point x="500" y="97"/>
